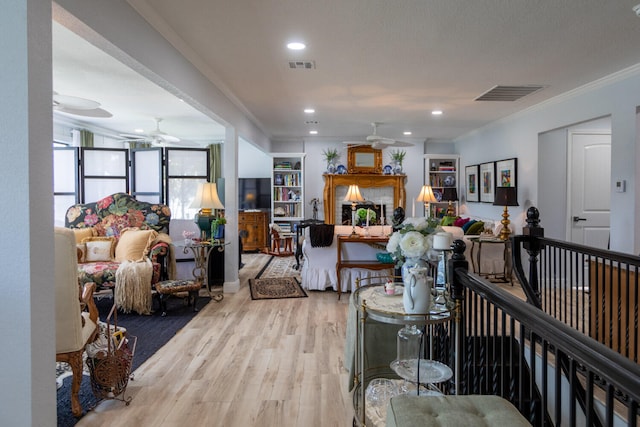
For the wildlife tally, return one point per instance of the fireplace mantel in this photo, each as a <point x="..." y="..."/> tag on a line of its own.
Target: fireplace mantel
<point x="363" y="181"/>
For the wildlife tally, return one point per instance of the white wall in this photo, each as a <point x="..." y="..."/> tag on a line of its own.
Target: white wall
<point x="253" y="162"/>
<point x="517" y="136"/>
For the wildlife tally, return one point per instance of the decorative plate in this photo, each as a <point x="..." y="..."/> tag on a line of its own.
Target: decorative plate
<point x="341" y="170"/>
<point x="450" y="181"/>
<point x="387" y="170"/>
<point x="437" y="194"/>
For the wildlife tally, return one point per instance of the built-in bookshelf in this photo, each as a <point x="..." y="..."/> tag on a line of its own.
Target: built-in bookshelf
<point x="287" y="190"/>
<point x="442" y="174"/>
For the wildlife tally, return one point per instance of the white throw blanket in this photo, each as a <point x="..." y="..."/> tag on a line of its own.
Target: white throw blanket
<point x="133" y="286"/>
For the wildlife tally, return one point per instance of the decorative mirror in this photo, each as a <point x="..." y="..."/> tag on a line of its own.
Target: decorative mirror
<point x="364" y="159"/>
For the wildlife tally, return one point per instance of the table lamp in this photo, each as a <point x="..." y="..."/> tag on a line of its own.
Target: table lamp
<point x="426" y="196"/>
<point x="353" y="196"/>
<point x="450" y="194"/>
<point x="206" y="200"/>
<point x="505" y="196"/>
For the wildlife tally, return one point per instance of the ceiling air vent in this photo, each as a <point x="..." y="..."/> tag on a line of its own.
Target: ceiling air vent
<point x="302" y="65"/>
<point x="508" y="93"/>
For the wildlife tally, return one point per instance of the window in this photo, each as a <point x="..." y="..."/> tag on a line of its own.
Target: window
<point x="155" y="175"/>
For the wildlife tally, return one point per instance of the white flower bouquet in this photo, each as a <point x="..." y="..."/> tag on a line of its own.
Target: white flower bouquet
<point x="412" y="240"/>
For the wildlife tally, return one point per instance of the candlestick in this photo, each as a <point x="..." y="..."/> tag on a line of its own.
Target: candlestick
<point x="368" y="217"/>
<point x="413" y="208"/>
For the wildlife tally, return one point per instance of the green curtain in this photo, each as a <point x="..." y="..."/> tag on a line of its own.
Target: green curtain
<point x="139" y="144"/>
<point x="215" y="157"/>
<point x="86" y="138"/>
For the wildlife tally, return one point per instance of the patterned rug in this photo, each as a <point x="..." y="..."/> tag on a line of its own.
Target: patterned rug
<point x="279" y="267"/>
<point x="277" y="279"/>
<point x="275" y="287"/>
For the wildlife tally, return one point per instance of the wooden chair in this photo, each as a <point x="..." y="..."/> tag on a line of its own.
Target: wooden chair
<point x="74" y="327"/>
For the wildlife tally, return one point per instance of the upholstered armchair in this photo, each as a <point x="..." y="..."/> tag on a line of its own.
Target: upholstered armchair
<point x="74" y="327"/>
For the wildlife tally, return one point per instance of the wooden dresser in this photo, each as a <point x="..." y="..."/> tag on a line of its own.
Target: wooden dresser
<point x="257" y="226"/>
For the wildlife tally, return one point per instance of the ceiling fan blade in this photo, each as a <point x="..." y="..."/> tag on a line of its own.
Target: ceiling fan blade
<point x="95" y="112"/>
<point x="356" y="142"/>
<point x="74" y="102"/>
<point x="402" y="144"/>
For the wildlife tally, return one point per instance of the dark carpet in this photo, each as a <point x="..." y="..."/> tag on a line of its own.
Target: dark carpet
<point x="152" y="332"/>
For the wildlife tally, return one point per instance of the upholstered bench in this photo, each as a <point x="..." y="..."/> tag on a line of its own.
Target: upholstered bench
<point x="167" y="288"/>
<point x="449" y="411"/>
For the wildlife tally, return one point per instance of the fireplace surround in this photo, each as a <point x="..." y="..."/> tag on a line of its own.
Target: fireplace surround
<point x="377" y="188"/>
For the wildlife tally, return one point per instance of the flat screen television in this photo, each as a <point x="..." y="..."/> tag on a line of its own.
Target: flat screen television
<point x="254" y="193"/>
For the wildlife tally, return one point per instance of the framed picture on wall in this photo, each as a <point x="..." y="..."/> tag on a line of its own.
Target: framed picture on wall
<point x="472" y="182"/>
<point x="507" y="173"/>
<point x="487" y="182"/>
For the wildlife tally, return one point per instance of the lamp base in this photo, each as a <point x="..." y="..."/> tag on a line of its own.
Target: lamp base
<point x="204" y="224"/>
<point x="506" y="231"/>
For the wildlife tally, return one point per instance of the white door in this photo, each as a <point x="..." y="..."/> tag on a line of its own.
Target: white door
<point x="590" y="188"/>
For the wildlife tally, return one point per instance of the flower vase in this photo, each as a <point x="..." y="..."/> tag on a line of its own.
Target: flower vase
<point x="416" y="297"/>
<point x="397" y="168"/>
<point x="331" y="168"/>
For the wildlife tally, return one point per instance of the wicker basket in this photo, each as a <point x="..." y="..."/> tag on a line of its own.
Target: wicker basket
<point x="110" y="370"/>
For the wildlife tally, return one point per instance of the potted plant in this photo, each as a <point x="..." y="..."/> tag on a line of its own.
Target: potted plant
<point x="330" y="156"/>
<point x="217" y="228"/>
<point x="397" y="156"/>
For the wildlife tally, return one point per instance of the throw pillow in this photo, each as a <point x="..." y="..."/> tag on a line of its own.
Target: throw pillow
<point x="83" y="233"/>
<point x="134" y="244"/>
<point x="99" y="248"/>
<point x="81" y="249"/>
<point x="448" y="220"/>
<point x="461" y="221"/>
<point x="476" y="228"/>
<point x="467" y="225"/>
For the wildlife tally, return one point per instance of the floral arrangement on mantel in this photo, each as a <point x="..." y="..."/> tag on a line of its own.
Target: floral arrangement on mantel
<point x="398" y="156"/>
<point x="330" y="155"/>
<point x="412" y="240"/>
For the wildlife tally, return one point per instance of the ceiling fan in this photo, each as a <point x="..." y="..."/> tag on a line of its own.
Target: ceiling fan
<point x="379" y="142"/>
<point x="78" y="106"/>
<point x="157" y="137"/>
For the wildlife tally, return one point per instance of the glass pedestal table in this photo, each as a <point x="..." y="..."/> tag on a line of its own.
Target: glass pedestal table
<point x="374" y="306"/>
<point x="201" y="251"/>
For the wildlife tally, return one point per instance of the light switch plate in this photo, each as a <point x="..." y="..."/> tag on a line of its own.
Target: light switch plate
<point x="621" y="186"/>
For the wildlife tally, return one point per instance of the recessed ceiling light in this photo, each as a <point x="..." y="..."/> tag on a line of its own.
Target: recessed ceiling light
<point x="313" y="132"/>
<point x="296" y="45"/>
<point x="406" y="132"/>
<point x="138" y="130"/>
<point x="436" y="113"/>
<point x="309" y="110"/>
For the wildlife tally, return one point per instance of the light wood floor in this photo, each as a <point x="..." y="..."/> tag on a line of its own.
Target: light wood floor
<point x="244" y="363"/>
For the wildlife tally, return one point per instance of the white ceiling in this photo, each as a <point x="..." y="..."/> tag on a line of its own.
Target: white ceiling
<point x="376" y="60"/>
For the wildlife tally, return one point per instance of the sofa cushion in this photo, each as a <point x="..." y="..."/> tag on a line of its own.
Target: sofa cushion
<point x="448" y="220"/>
<point x="99" y="248"/>
<point x="83" y="233"/>
<point x="476" y="228"/>
<point x="472" y="410"/>
<point x="134" y="244"/>
<point x="461" y="221"/>
<point x="81" y="250"/>
<point x="467" y="225"/>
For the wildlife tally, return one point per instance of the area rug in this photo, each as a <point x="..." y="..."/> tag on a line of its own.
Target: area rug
<point x="275" y="288"/>
<point x="279" y="267"/>
<point x="152" y="332"/>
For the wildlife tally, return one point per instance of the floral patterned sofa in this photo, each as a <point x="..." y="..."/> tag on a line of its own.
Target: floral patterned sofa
<point x="108" y="218"/>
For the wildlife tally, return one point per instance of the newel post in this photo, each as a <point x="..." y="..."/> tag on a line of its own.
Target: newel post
<point x="532" y="232"/>
<point x="457" y="261"/>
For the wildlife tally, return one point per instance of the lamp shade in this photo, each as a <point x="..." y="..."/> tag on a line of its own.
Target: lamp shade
<point x="426" y="195"/>
<point x="506" y="196"/>
<point x="353" y="194"/>
<point x="207" y="197"/>
<point x="450" y="194"/>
